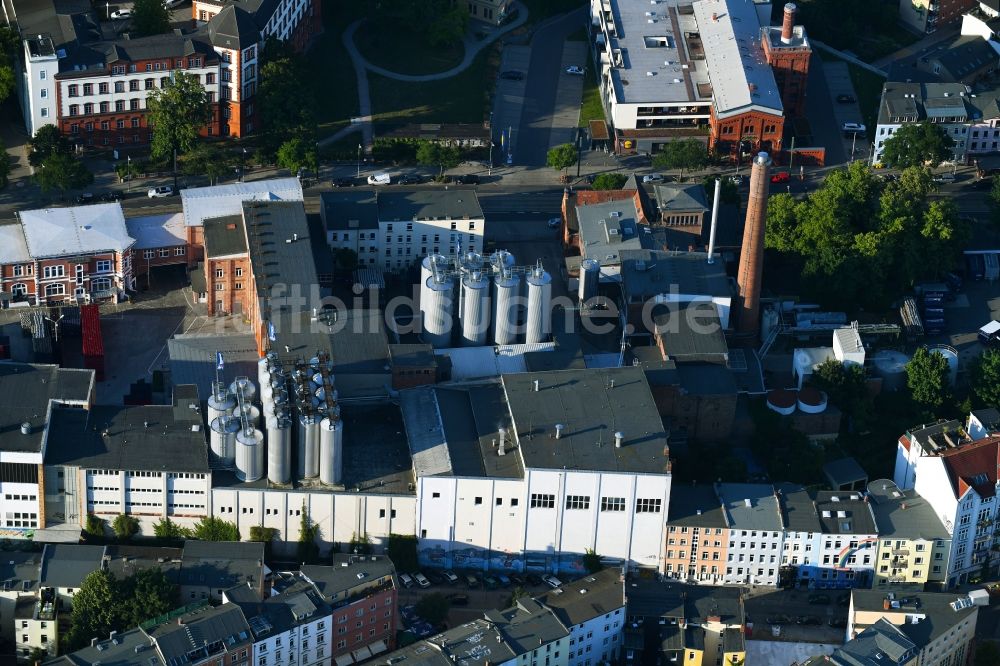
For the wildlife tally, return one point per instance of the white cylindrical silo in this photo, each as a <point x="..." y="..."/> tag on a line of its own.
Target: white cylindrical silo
<point x="475" y="309"/>
<point x="427" y="266"/>
<point x="220" y="403"/>
<point x="279" y="449"/>
<point x="331" y="450"/>
<point x="472" y="262"/>
<point x="506" y="289"/>
<point x="249" y="455"/>
<point x="436" y="308"/>
<point x="590" y="272"/>
<point x="501" y="260"/>
<point x="247" y="387"/>
<point x="223" y="440"/>
<point x="539" y="324"/>
<point x="250" y="412"/>
<point x="263" y="370"/>
<point x="308" y="447"/>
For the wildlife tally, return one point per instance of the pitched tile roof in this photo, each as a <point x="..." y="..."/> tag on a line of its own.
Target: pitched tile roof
<point x="975" y="466"/>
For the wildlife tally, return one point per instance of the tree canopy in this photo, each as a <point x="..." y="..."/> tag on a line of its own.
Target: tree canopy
<point x="609" y="181"/>
<point x="857" y="240"/>
<point x="125" y="527"/>
<point x="916" y="144"/>
<point x="561" y="157"/>
<point x="47" y="140"/>
<point x="284" y="97"/>
<point x="433" y="608"/>
<point x="985" y="380"/>
<point x="177" y="113"/>
<point x="296" y="153"/>
<point x="440" y="21"/>
<point x="431" y="153"/>
<point x="168" y="529"/>
<point x="10" y="46"/>
<point x="308" y="549"/>
<point x="150" y="17"/>
<point x="927" y="378"/>
<point x="846" y="387"/>
<point x="104" y="603"/>
<point x="685" y="154"/>
<point x="63" y="171"/>
<point x="211" y="160"/>
<point x="210" y="528"/>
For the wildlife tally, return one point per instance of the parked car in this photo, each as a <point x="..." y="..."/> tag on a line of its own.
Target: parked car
<point x="779" y="619"/>
<point x="174" y="3"/>
<point x="551" y="581"/>
<point x="853" y="129"/>
<point x="86" y="198"/>
<point x="946" y="177"/>
<point x="380" y="179"/>
<point x="434" y="577"/>
<point x="736" y="180"/>
<point x="512" y="75"/>
<point x="819" y="598"/>
<point x="576" y="71"/>
<point x="458" y="599"/>
<point x="344" y="182"/>
<point x="504" y="580"/>
<point x="653" y="178"/>
<point x="421" y="580"/>
<point x="468" y="179"/>
<point x="555" y="222"/>
<point x="781" y="177"/>
<point x="161" y="191"/>
<point x="846" y="99"/>
<point x="990" y="333"/>
<point x="808" y="620"/>
<point x="406" y="580"/>
<point x="409" y="180"/>
<point x="450" y="576"/>
<point x="121" y="14"/>
<point x="471" y="581"/>
<point x="533" y="579"/>
<point x="113" y="195"/>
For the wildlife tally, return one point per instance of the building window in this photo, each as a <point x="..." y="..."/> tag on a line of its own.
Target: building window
<point x="239" y="272"/>
<point x="648" y="505"/>
<point x="542" y="501"/>
<point x="74" y="109"/>
<point x="55" y="289"/>
<point x="577" y="502"/>
<point x="612" y="504"/>
<point x="53" y="271"/>
<point x="181" y="251"/>
<point x="103" y="265"/>
<point x="73" y="90"/>
<point x="148" y="254"/>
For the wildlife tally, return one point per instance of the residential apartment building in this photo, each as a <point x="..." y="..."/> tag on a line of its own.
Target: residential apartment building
<point x="926" y="16"/>
<point x="941" y="627"/>
<point x="593" y="609"/>
<point x="697" y="535"/>
<point x="882" y="643"/>
<point x="666" y="72"/>
<point x="756" y="533"/>
<point x="209" y="568"/>
<point x="37" y="85"/>
<point x="224" y="638"/>
<point x="914" y="547"/>
<point x="76" y="254"/>
<point x="943" y="104"/>
<point x="404" y="227"/>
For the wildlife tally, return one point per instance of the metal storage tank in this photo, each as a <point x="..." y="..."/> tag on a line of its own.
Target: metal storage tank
<point x="472" y="262"/>
<point x="308" y="447"/>
<point x="890" y="365"/>
<point x="501" y="260"/>
<point x="331" y="450"/>
<point x="951" y="355"/>
<point x="506" y="289"/>
<point x="279" y="449"/>
<point x="244" y="383"/>
<point x="428" y="264"/>
<point x="222" y="439"/>
<point x="249" y="455"/>
<point x="251" y="412"/>
<point x="476" y="309"/>
<point x="220" y="403"/>
<point x="263" y="370"/>
<point x="436" y="308"/>
<point x="539" y="326"/>
<point x="590" y="273"/>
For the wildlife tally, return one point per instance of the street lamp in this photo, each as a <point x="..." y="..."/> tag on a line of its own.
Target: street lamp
<point x="490" y="172"/>
<point x="243" y="159"/>
<point x="359" y="160"/>
<point x="128" y="171"/>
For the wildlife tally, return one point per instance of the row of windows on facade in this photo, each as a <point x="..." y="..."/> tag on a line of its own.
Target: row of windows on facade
<point x="134" y="85"/>
<point x="146" y="474"/>
<point x="157" y="66"/>
<point x="409" y="227"/>
<point x="20" y="289"/>
<point x="577" y="502"/>
<point x="748" y="130"/>
<point x="12" y="497"/>
<point x="59" y="270"/>
<point x="138" y="104"/>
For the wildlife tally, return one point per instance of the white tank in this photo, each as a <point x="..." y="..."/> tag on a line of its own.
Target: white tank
<point x="279" y="449"/>
<point x="539" y="326"/>
<point x="590" y="273"/>
<point x="890" y="365"/>
<point x="437" y="311"/>
<point x="501" y="259"/>
<point x="308" y="447"/>
<point x="263" y="370"/>
<point x="249" y="455"/>
<point x="331" y="450"/>
<point x="427" y="266"/>
<point x="505" y="305"/>
<point x="951" y="355"/>
<point x="249" y="390"/>
<point x="220" y="403"/>
<point x="472" y="262"/>
<point x="223" y="440"/>
<point x="251" y="412"/>
<point x="475" y="309"/>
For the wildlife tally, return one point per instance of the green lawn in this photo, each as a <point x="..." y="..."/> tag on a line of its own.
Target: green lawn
<point x="337" y="88"/>
<point x="459" y="99"/>
<point x="405" y="51"/>
<point x="593" y="108"/>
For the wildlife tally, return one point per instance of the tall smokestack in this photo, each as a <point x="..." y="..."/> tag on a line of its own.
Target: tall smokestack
<point x="788" y="23"/>
<point x="752" y="256"/>
<point x="715" y="220"/>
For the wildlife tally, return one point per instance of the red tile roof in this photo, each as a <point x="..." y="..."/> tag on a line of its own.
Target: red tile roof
<point x="905" y="441"/>
<point x="978" y="459"/>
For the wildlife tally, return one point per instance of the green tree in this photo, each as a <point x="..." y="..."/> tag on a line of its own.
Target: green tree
<point x="917" y="144"/>
<point x="439" y="21"/>
<point x="209" y="159"/>
<point x="210" y="528"/>
<point x="283" y="78"/>
<point x="433" y="608"/>
<point x="609" y="181"/>
<point x="515" y="594"/>
<point x="985" y="380"/>
<point x="987" y="654"/>
<point x="125" y="527"/>
<point x="10" y="49"/>
<point x="345" y="259"/>
<point x="146" y="594"/>
<point x="264" y="535"/>
<point x="308" y="549"/>
<point x="448" y="28"/>
<point x="177" y="113"/>
<point x="296" y="153"/>
<point x="846" y="387"/>
<point x="431" y="153"/>
<point x="730" y="194"/>
<point x="402" y="550"/>
<point x="592" y="561"/>
<point x="995" y="199"/>
<point x="94" y="525"/>
<point x="168" y="529"/>
<point x="47" y="140"/>
<point x="5" y="166"/>
<point x="360" y="544"/>
<point x="37" y="656"/>
<point x="150" y="17"/>
<point x="561" y="157"/>
<point x="63" y="171"/>
<point x="97" y="609"/>
<point x="684" y="154"/>
<point x="927" y="379"/>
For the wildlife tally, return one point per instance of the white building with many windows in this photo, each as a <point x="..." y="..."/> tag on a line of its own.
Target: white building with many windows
<point x="941" y="104"/>
<point x="593" y="609"/>
<point x="756" y="533"/>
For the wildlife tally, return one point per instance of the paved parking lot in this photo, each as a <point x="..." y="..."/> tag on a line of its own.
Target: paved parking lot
<point x="782" y="608"/>
<point x="509" y="99"/>
<point x="479" y="599"/>
<point x="974" y="306"/>
<point x="838" y="82"/>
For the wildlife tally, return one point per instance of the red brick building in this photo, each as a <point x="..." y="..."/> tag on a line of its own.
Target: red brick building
<point x="226" y="266"/>
<point x="787" y="51"/>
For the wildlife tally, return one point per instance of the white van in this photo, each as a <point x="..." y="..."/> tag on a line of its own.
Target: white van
<point x="379" y="179"/>
<point x="406" y="580"/>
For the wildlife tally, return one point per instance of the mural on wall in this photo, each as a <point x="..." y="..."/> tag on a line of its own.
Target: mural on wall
<point x="469" y="558"/>
<point x="434" y="556"/>
<point x="536" y="561"/>
<point x="572" y="563"/>
<point x="502" y="561"/>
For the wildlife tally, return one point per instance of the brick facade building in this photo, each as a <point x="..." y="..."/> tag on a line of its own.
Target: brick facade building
<point x="787" y="51"/>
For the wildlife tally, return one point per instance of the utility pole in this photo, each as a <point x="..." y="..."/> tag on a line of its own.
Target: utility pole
<point x="128" y="171"/>
<point x="243" y="160"/>
<point x="359" y="160"/>
<point x="491" y="144"/>
<point x="175" y="170"/>
<point x="579" y="150"/>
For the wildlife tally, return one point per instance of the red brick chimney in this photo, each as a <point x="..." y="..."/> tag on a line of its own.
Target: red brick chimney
<point x="788" y="23"/>
<point x="751" y="267"/>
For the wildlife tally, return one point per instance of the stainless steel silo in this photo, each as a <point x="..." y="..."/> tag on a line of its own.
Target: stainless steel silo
<point x="436" y="309"/>
<point x="308" y="447"/>
<point x="331" y="450"/>
<point x="220" y="403"/>
<point x="506" y="289"/>
<point x="222" y="440"/>
<point x="248" y="388"/>
<point x="590" y="273"/>
<point x="279" y="449"/>
<point x="476" y="309"/>
<point x="249" y="455"/>
<point x="539" y="324"/>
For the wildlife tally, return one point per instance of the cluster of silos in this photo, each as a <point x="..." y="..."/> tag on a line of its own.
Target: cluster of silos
<point x="487" y="296"/>
<point x="223" y="427"/>
<point x="249" y="445"/>
<point x="277" y="418"/>
<point x="320" y="431"/>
